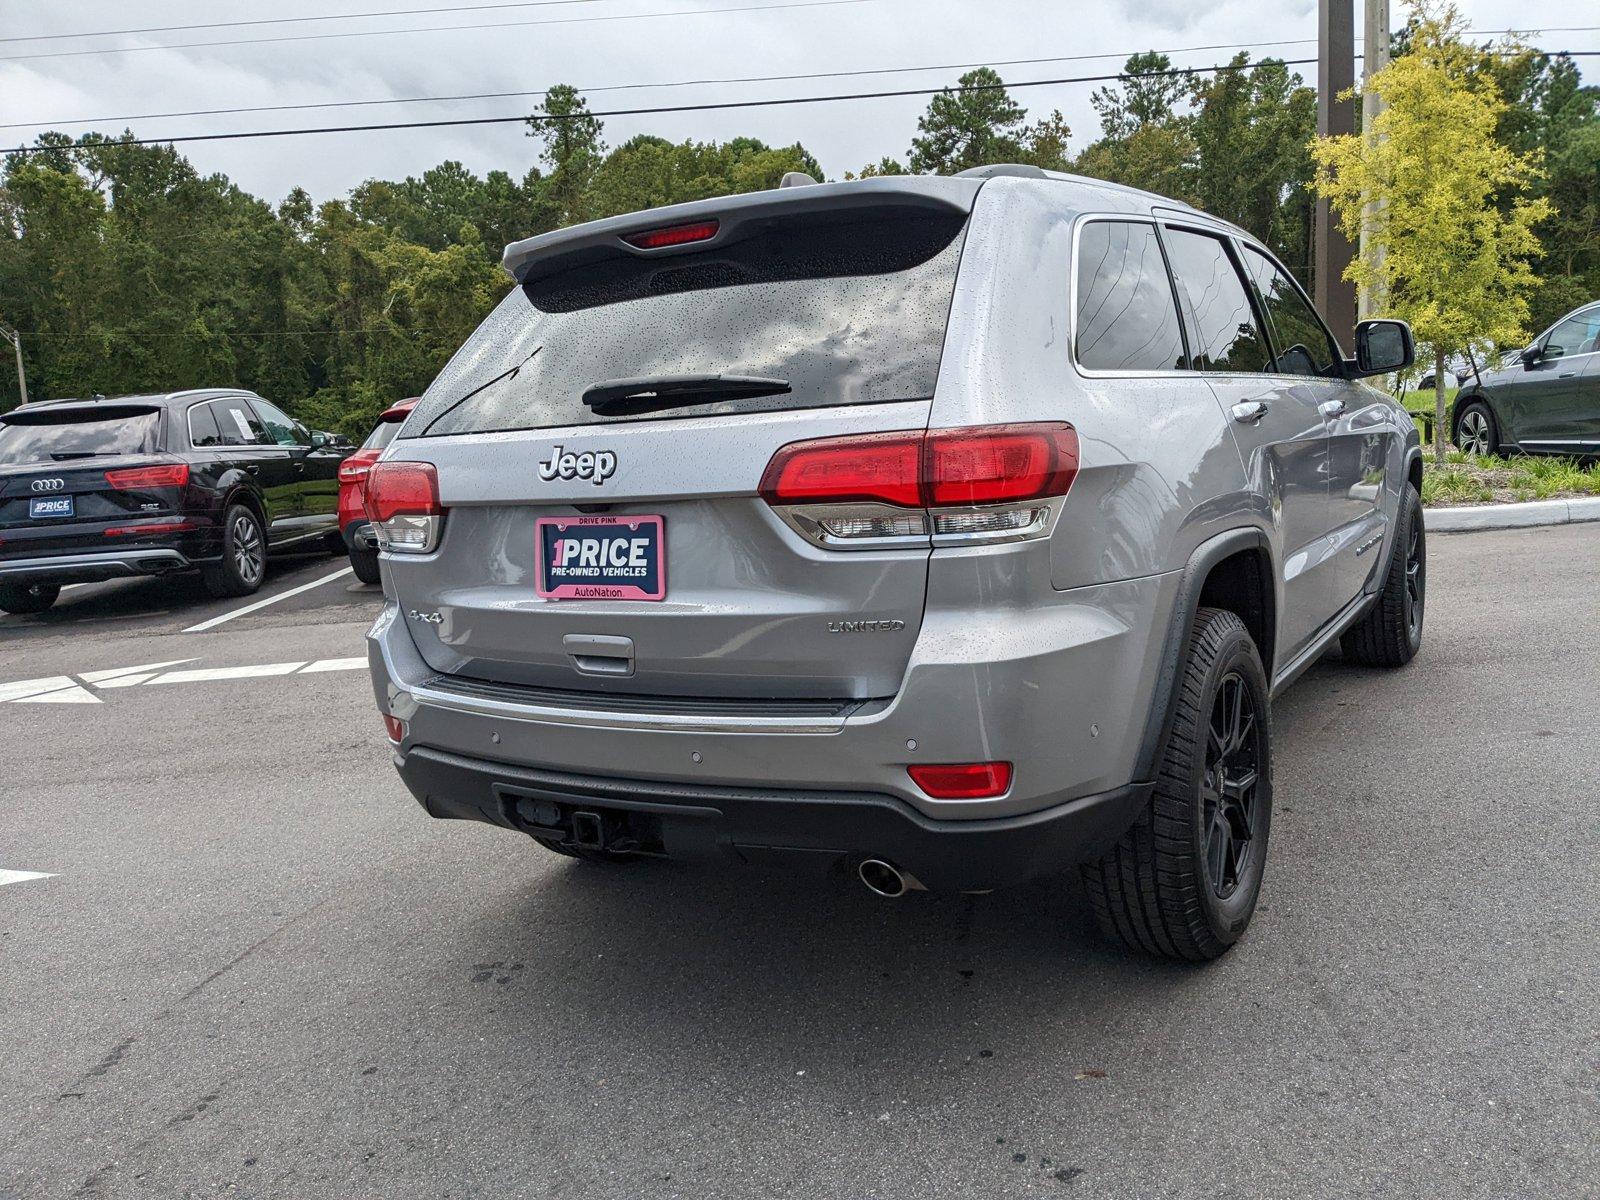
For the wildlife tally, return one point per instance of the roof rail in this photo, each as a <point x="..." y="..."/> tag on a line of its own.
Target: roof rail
<point x="1026" y="170"/>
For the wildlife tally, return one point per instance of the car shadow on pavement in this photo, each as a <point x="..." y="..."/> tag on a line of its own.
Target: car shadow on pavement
<point x="804" y="974"/>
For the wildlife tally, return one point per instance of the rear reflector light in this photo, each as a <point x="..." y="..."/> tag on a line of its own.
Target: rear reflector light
<point x="673" y="235"/>
<point x="150" y="528"/>
<point x="402" y="502"/>
<point x="395" y="728"/>
<point x="130" y="478"/>
<point x="990" y="465"/>
<point x="962" y="781"/>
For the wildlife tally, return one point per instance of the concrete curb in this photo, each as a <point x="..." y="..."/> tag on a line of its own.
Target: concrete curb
<point x="1511" y="516"/>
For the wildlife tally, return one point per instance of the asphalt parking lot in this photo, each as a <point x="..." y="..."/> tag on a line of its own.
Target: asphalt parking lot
<point x="250" y="965"/>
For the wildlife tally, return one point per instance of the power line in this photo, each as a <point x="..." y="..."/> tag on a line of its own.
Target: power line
<point x="393" y="12"/>
<point x="540" y="118"/>
<point x="319" y="37"/>
<point x="626" y="87"/>
<point x="671" y="108"/>
<point x="734" y="79"/>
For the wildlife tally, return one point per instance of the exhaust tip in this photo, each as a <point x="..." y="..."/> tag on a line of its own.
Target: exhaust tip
<point x="881" y="878"/>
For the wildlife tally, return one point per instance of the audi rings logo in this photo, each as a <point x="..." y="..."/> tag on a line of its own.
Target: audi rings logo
<point x="49" y="485"/>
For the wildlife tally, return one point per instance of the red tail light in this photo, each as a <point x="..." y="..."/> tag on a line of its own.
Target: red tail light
<point x="355" y="468"/>
<point x="131" y="478"/>
<point x="396" y="489"/>
<point x="395" y="728"/>
<point x="402" y="502"/>
<point x="673" y="235"/>
<point x="986" y="465"/>
<point x="962" y="781"/>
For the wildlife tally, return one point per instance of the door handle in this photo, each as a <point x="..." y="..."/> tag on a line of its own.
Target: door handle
<point x="598" y="654"/>
<point x="299" y="466"/>
<point x="253" y="469"/>
<point x="1331" y="409"/>
<point x="1248" y="412"/>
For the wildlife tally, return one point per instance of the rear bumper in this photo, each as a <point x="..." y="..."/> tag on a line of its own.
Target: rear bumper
<point x="87" y="568"/>
<point x="821" y="830"/>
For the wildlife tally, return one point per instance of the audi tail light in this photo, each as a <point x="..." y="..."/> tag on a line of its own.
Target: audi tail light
<point x="402" y="502"/>
<point x="356" y="468"/>
<point x="988" y="483"/>
<point x="168" y="475"/>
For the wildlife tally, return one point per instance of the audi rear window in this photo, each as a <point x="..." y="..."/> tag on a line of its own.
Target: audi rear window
<point x="382" y="434"/>
<point x="62" y="434"/>
<point x="844" y="309"/>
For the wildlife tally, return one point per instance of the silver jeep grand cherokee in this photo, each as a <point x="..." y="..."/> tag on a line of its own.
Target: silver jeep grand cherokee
<point x="948" y="531"/>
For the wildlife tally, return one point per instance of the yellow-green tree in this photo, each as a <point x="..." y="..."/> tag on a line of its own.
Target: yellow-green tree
<point x="1455" y="221"/>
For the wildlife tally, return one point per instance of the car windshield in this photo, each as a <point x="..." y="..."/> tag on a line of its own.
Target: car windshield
<point x="57" y="435"/>
<point x="847" y="310"/>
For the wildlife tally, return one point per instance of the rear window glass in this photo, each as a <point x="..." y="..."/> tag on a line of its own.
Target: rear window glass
<point x="382" y="434"/>
<point x="63" y="434"/>
<point x="1127" y="314"/>
<point x="846" y="311"/>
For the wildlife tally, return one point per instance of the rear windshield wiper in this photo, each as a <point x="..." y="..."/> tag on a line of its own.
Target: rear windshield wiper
<point x="652" y="393"/>
<point x="62" y="455"/>
<point x="485" y="385"/>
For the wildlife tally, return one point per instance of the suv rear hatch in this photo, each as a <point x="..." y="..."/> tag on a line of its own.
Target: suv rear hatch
<point x="80" y="478"/>
<point x="649" y="368"/>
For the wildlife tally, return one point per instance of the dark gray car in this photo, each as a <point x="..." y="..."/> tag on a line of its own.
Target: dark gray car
<point x="1545" y="400"/>
<point x="948" y="531"/>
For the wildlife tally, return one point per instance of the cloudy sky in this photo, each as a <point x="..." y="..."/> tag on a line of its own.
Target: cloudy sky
<point x="595" y="44"/>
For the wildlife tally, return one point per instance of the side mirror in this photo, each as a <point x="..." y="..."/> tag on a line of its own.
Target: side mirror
<point x="1383" y="346"/>
<point x="321" y="441"/>
<point x="1531" y="355"/>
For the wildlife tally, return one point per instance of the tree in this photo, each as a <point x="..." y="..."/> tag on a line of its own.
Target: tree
<point x="976" y="124"/>
<point x="1144" y="142"/>
<point x="1146" y="96"/>
<point x="1457" y="222"/>
<point x="573" y="149"/>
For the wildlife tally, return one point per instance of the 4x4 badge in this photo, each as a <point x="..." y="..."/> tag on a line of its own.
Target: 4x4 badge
<point x="596" y="468"/>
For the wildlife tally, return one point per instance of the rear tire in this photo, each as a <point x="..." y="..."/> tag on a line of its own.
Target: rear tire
<point x="1476" y="431"/>
<point x="243" y="564"/>
<point x="1391" y="633"/>
<point x="1183" y="881"/>
<point x="26" y="598"/>
<point x="365" y="564"/>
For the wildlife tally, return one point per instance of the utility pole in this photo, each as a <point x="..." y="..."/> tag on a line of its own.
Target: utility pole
<point x="15" y="338"/>
<point x="1374" y="58"/>
<point x="1332" y="251"/>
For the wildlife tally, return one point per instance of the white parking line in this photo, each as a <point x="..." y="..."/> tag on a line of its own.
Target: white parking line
<point x="22" y="876"/>
<point x="260" y="604"/>
<point x="250" y="672"/>
<point x="334" y="664"/>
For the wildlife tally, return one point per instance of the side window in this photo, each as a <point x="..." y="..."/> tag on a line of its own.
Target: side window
<point x="281" y="427"/>
<point x="1575" y="335"/>
<point x="1303" y="344"/>
<point x="203" y="429"/>
<point x="238" y="425"/>
<point x="1228" y="334"/>
<point x="1127" y="316"/>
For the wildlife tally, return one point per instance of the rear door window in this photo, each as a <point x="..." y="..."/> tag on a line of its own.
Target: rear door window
<point x="1127" y="316"/>
<point x="844" y="309"/>
<point x="1303" y="344"/>
<point x="1228" y="332"/>
<point x="60" y="435"/>
<point x="239" y="425"/>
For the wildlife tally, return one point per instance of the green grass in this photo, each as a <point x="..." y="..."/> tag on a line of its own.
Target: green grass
<point x="1476" y="479"/>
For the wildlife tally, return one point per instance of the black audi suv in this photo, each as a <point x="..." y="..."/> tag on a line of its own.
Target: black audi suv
<point x="212" y="480"/>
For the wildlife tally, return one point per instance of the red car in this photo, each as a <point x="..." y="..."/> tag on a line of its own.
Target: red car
<point x="353" y="474"/>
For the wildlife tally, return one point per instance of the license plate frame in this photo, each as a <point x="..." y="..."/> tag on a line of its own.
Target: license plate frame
<point x="599" y="575"/>
<point x="45" y="508"/>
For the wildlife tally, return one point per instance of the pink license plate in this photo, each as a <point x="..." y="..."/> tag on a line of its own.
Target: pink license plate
<point x="602" y="558"/>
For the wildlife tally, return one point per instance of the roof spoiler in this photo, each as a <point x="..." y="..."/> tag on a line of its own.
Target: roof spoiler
<point x="729" y="219"/>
